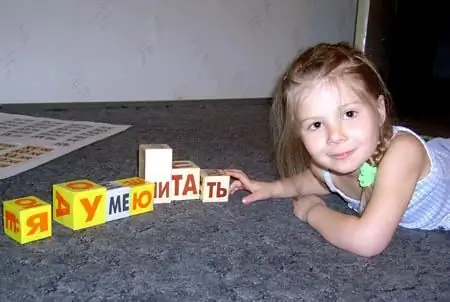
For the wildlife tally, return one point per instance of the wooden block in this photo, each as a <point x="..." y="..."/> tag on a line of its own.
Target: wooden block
<point x="155" y="162"/>
<point x="141" y="193"/>
<point x="185" y="180"/>
<point x="162" y="192"/>
<point x="27" y="219"/>
<point x="117" y="200"/>
<point x="214" y="186"/>
<point x="79" y="204"/>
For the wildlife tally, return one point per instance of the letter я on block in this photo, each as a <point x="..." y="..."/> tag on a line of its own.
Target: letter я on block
<point x="214" y="186"/>
<point x="79" y="204"/>
<point x="27" y="219"/>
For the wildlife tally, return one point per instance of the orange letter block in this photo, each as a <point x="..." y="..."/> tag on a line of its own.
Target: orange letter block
<point x="185" y="180"/>
<point x="27" y="219"/>
<point x="214" y="186"/>
<point x="141" y="193"/>
<point x="79" y="204"/>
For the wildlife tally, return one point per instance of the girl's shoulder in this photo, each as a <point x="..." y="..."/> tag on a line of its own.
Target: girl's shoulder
<point x="404" y="137"/>
<point x="408" y="147"/>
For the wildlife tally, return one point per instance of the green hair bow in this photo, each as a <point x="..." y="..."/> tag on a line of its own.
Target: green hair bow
<point x="367" y="175"/>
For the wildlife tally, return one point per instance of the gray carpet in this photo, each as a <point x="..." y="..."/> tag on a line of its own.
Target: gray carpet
<point x="189" y="251"/>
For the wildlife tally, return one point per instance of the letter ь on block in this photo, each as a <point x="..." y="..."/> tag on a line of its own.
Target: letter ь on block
<point x="214" y="186"/>
<point x="79" y="204"/>
<point x="27" y="219"/>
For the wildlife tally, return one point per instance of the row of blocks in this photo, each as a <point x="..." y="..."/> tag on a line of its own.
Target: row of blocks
<point x="81" y="204"/>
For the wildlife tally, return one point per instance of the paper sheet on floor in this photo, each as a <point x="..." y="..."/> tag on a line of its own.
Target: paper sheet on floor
<point x="27" y="142"/>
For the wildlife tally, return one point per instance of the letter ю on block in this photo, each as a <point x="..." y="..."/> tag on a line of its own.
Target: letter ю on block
<point x="27" y="219"/>
<point x="185" y="180"/>
<point x="141" y="194"/>
<point x="79" y="204"/>
<point x="214" y="186"/>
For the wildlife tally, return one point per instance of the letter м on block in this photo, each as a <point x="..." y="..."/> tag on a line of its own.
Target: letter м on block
<point x="141" y="194"/>
<point x="155" y="162"/>
<point x="214" y="186"/>
<point x="118" y="200"/>
<point x="79" y="204"/>
<point x="27" y="219"/>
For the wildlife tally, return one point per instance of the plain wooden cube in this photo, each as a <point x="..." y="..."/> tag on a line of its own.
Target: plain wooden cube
<point x="155" y="162"/>
<point x="185" y="180"/>
<point x="214" y="186"/>
<point x="27" y="219"/>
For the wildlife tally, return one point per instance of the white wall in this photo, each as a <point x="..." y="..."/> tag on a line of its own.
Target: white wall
<point x="130" y="50"/>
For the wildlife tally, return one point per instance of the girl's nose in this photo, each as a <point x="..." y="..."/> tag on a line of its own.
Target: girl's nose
<point x="336" y="134"/>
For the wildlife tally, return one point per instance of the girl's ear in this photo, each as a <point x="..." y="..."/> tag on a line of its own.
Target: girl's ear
<point x="381" y="108"/>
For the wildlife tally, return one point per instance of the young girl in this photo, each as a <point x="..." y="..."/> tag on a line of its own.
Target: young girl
<point x="332" y="131"/>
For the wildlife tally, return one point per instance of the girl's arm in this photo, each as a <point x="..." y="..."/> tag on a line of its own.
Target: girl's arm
<point x="368" y="235"/>
<point x="303" y="184"/>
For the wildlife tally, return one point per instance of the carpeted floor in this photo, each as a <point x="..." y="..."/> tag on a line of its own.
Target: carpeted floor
<point x="189" y="251"/>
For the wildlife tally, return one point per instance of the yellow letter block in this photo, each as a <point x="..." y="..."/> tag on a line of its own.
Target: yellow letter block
<point x="79" y="204"/>
<point x="27" y="219"/>
<point x="141" y="192"/>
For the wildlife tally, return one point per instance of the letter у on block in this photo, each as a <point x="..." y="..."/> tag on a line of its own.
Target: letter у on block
<point x="141" y="194"/>
<point x="27" y="219"/>
<point x="118" y="200"/>
<point x="155" y="162"/>
<point x="214" y="186"/>
<point x="185" y="180"/>
<point x="79" y="204"/>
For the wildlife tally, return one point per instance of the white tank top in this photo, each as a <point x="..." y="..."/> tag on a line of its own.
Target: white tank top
<point x="429" y="207"/>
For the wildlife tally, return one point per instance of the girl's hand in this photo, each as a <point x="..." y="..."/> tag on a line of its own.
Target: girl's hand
<point x="259" y="190"/>
<point x="302" y="206"/>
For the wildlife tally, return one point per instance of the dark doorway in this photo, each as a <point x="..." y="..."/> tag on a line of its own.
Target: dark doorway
<point x="419" y="69"/>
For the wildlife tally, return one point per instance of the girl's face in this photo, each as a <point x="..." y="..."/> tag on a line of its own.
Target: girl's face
<point x="339" y="130"/>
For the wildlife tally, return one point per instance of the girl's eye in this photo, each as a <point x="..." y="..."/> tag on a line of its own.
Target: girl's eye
<point x="350" y="114"/>
<point x="315" y="125"/>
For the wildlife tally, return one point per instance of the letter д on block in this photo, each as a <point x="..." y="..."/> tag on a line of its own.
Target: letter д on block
<point x="79" y="204"/>
<point x="214" y="186"/>
<point x="27" y="219"/>
<point x="141" y="194"/>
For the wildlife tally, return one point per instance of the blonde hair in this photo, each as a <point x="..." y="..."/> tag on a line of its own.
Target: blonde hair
<point x="323" y="62"/>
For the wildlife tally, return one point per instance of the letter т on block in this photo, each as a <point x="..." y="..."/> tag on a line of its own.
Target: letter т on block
<point x="214" y="186"/>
